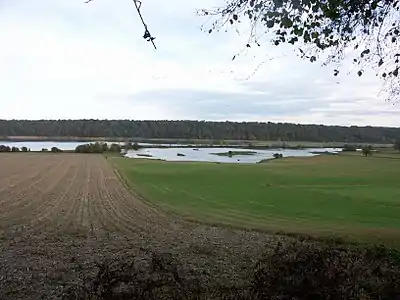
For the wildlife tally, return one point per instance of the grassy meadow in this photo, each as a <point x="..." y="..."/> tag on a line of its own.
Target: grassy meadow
<point x="345" y="195"/>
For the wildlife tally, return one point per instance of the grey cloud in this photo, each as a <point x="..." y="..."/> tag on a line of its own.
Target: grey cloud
<point x="220" y="105"/>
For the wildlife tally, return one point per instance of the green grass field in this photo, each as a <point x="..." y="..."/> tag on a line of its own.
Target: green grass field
<point x="346" y="195"/>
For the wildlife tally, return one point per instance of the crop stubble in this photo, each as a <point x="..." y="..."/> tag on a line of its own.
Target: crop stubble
<point x="69" y="193"/>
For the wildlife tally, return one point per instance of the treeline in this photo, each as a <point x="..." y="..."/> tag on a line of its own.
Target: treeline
<point x="98" y="148"/>
<point x="198" y="130"/>
<point x="4" y="148"/>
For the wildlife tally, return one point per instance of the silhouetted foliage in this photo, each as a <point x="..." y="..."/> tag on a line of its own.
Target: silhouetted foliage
<point x="216" y="131"/>
<point x="56" y="150"/>
<point x="368" y="31"/>
<point x="45" y="150"/>
<point x="278" y="155"/>
<point x="24" y="149"/>
<point x="14" y="149"/>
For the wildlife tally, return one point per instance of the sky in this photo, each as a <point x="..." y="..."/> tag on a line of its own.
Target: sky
<point x="64" y="59"/>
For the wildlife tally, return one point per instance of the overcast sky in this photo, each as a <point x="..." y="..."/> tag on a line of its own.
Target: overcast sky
<point x="66" y="59"/>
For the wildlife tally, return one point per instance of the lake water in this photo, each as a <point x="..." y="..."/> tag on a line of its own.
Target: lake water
<point x="38" y="146"/>
<point x="190" y="154"/>
<point x="207" y="154"/>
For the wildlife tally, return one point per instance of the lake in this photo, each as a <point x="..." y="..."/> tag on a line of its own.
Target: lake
<point x="189" y="154"/>
<point x="208" y="154"/>
<point x="39" y="145"/>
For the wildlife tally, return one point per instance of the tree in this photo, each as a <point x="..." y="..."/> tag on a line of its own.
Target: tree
<point x="24" y="149"/>
<point x="115" y="148"/>
<point x="14" y="149"/>
<point x="56" y="150"/>
<point x="278" y="155"/>
<point x="45" y="149"/>
<point x="184" y="130"/>
<point x="367" y="150"/>
<point x="5" y="148"/>
<point x="397" y="145"/>
<point x="135" y="146"/>
<point x="368" y="30"/>
<point x="104" y="147"/>
<point x="348" y="147"/>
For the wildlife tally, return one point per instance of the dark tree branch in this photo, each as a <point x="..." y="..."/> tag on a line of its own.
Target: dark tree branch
<point x="147" y="36"/>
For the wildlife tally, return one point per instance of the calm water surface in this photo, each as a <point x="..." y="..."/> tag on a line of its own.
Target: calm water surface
<point x="206" y="154"/>
<point x="190" y="154"/>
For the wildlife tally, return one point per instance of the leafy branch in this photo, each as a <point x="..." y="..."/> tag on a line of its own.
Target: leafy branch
<point x="366" y="30"/>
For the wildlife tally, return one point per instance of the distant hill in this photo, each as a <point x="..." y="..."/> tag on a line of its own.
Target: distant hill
<point x="198" y="130"/>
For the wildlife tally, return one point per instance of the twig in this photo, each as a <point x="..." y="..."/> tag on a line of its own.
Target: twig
<point x="147" y="36"/>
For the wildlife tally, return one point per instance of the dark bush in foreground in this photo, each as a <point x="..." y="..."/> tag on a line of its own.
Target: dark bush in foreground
<point x="314" y="271"/>
<point x="297" y="270"/>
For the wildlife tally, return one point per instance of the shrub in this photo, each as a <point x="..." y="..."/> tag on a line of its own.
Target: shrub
<point x="348" y="147"/>
<point x="298" y="269"/>
<point x="367" y="150"/>
<point x="5" y="148"/>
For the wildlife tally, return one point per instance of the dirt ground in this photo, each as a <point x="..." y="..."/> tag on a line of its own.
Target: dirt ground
<point x="64" y="215"/>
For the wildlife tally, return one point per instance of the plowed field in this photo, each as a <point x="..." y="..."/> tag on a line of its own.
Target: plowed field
<point x="61" y="215"/>
<point x="71" y="193"/>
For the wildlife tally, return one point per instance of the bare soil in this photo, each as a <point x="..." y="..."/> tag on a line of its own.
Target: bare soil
<point x="63" y="214"/>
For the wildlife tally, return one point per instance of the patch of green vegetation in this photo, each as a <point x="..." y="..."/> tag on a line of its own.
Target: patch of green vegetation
<point x="337" y="194"/>
<point x="233" y="153"/>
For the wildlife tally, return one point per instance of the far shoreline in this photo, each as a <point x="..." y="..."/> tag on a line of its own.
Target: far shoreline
<point x="183" y="143"/>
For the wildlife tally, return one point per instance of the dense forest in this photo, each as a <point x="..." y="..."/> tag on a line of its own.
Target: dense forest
<point x="197" y="130"/>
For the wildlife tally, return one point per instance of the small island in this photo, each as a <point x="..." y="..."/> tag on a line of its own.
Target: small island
<point x="233" y="153"/>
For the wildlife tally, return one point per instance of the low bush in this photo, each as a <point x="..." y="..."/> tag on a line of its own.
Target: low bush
<point x="294" y="270"/>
